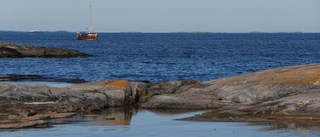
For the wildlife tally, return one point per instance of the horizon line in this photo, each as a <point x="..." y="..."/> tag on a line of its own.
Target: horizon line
<point x="41" y="31"/>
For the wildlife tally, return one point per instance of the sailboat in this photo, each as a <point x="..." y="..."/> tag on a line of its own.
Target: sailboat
<point x="88" y="35"/>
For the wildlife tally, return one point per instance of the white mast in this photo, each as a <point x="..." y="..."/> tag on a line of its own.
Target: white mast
<point x="90" y="20"/>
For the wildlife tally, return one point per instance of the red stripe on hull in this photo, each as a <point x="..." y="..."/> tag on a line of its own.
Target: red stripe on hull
<point x="87" y="38"/>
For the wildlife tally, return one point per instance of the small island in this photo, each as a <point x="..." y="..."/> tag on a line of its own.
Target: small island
<point x="8" y="50"/>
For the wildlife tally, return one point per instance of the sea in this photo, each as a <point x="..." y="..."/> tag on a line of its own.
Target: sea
<point x="158" y="57"/>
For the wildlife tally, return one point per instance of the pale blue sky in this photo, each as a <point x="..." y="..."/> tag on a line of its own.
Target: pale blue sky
<point x="162" y="15"/>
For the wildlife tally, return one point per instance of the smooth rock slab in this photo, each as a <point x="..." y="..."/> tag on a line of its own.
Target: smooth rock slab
<point x="289" y="89"/>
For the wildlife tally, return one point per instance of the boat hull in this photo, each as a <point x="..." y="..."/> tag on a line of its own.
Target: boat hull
<point x="87" y="36"/>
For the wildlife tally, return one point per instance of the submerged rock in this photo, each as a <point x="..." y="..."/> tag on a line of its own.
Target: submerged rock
<point x="8" y="50"/>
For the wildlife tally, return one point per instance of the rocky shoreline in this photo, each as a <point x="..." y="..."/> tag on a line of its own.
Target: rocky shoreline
<point x="8" y="50"/>
<point x="276" y="94"/>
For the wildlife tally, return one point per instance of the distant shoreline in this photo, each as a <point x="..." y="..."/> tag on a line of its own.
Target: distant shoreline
<point x="191" y="32"/>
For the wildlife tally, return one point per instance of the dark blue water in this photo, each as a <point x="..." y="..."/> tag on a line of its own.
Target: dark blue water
<point x="163" y="56"/>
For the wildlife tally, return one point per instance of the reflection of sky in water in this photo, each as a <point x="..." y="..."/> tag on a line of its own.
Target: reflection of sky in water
<point x="149" y="124"/>
<point x="51" y="84"/>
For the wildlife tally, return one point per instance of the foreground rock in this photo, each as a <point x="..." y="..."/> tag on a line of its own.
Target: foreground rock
<point x="282" y="93"/>
<point x="8" y="50"/>
<point x="20" y="103"/>
<point x="77" y="98"/>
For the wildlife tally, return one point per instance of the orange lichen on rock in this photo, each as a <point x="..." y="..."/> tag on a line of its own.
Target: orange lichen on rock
<point x="120" y="84"/>
<point x="308" y="76"/>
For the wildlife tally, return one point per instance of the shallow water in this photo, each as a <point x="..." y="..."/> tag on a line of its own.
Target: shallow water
<point x="144" y="123"/>
<point x="51" y="84"/>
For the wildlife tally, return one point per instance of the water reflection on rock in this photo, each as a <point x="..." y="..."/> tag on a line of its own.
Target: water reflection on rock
<point x="118" y="116"/>
<point x="172" y="111"/>
<point x="121" y="116"/>
<point x="295" y="125"/>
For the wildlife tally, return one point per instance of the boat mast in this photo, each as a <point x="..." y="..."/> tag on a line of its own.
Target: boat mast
<point x="90" y="20"/>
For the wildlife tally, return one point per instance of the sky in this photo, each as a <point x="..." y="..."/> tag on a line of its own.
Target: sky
<point x="161" y="15"/>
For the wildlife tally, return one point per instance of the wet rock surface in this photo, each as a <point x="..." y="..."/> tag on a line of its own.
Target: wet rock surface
<point x="288" y="93"/>
<point x="8" y="50"/>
